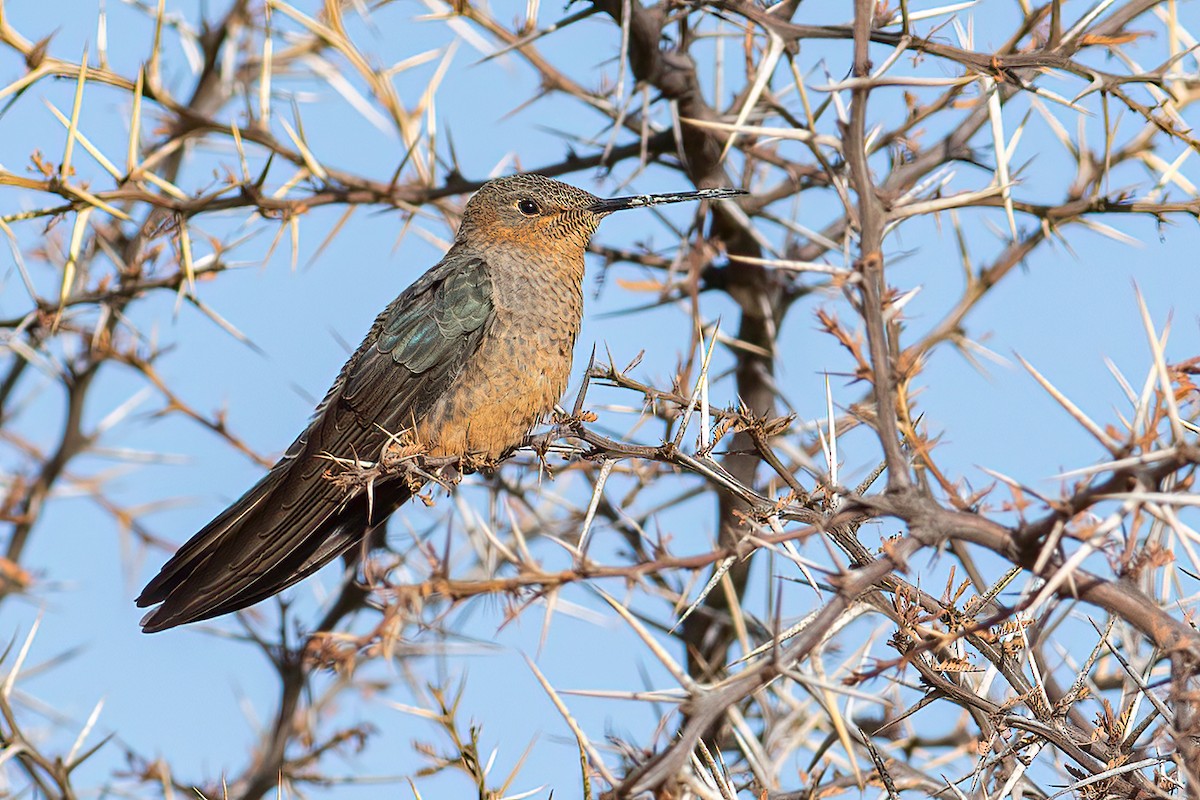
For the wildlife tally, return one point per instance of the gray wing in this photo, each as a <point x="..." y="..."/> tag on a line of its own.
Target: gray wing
<point x="295" y="520"/>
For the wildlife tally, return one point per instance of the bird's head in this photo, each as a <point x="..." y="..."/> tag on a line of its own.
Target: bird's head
<point x="530" y="210"/>
<point x="534" y="210"/>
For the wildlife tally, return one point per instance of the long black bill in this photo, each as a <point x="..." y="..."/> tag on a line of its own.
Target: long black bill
<point x="644" y="200"/>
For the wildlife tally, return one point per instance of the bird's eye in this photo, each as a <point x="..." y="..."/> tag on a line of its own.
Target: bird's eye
<point x="528" y="208"/>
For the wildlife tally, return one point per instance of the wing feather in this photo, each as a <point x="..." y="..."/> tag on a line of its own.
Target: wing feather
<point x="295" y="520"/>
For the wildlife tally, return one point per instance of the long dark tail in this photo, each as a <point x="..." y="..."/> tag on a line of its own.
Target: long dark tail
<point x="285" y="528"/>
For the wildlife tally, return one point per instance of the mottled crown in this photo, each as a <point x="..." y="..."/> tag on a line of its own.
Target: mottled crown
<point x="553" y="194"/>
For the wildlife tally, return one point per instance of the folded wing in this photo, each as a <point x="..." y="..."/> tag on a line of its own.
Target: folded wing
<point x="295" y="520"/>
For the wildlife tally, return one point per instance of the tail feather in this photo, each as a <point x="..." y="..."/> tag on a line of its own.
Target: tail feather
<point x="280" y="532"/>
<point x="197" y="550"/>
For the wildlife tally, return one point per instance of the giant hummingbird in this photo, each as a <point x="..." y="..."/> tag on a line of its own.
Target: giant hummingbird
<point x="464" y="362"/>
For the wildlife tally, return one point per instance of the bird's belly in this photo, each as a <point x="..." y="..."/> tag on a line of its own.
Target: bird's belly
<point x="517" y="375"/>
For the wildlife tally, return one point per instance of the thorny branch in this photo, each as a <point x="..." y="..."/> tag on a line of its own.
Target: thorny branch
<point x="902" y="117"/>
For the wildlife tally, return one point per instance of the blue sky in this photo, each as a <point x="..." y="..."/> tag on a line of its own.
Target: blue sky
<point x="195" y="698"/>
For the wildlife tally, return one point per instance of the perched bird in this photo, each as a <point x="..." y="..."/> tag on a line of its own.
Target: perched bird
<point x="464" y="362"/>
